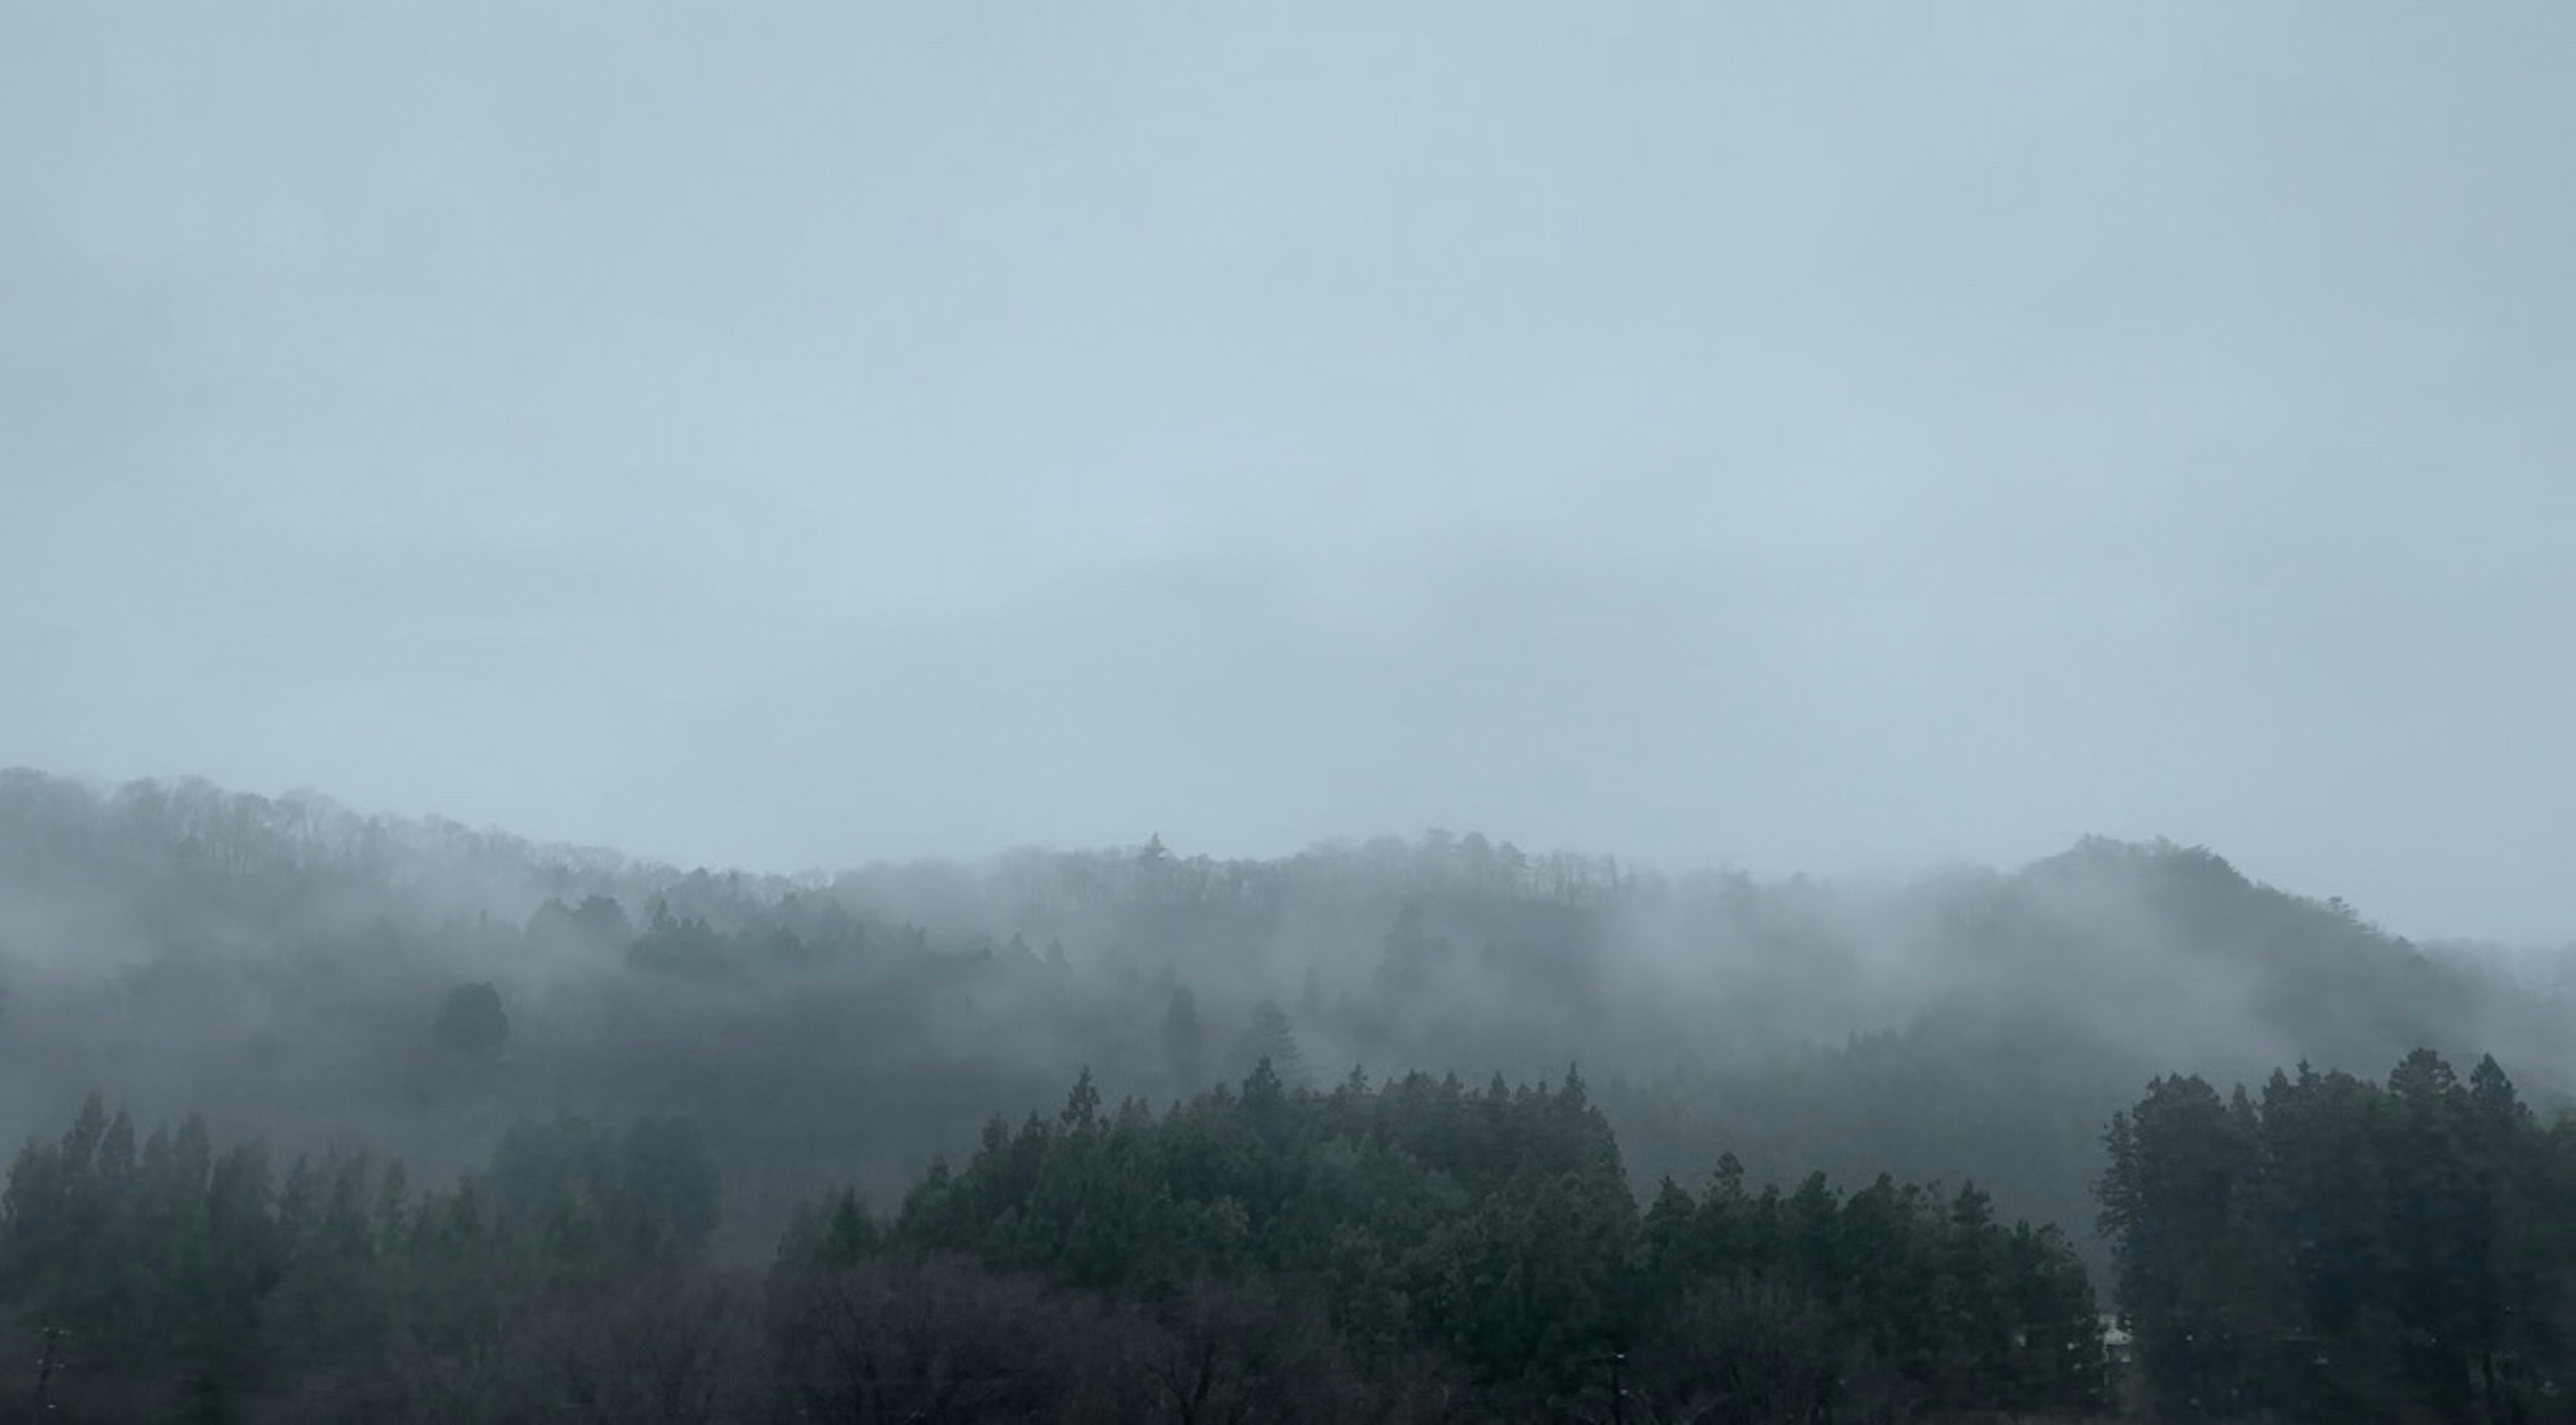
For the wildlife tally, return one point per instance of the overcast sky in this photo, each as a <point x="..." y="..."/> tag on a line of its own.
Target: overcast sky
<point x="1797" y="436"/>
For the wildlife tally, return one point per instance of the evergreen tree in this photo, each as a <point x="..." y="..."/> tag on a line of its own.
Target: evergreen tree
<point x="1272" y="1040"/>
<point x="1412" y="957"/>
<point x="472" y="1021"/>
<point x="2344" y="1251"/>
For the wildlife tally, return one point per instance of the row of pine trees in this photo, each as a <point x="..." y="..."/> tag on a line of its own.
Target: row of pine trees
<point x="2330" y="1249"/>
<point x="2334" y="1249"/>
<point x="1417" y="1250"/>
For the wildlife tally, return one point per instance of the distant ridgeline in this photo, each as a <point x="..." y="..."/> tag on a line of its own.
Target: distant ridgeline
<point x="288" y="966"/>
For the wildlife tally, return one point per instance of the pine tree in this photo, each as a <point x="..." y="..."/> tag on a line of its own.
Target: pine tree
<point x="1272" y="1038"/>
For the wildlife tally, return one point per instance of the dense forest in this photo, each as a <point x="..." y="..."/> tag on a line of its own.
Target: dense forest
<point x="399" y="1120"/>
<point x="2337" y="1249"/>
<point x="1420" y="1251"/>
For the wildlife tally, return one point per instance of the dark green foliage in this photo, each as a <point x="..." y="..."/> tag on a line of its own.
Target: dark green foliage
<point x="686" y="946"/>
<point x="1893" y="1299"/>
<point x="194" y="1284"/>
<point x="276" y="960"/>
<point x="471" y="1020"/>
<point x="2344" y="1250"/>
<point x="1493" y="1231"/>
<point x="285" y="953"/>
<point x="1260" y="1253"/>
<point x="155" y="1259"/>
<point x="651" y="1193"/>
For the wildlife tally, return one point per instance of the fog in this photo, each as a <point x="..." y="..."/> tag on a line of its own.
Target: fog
<point x="1800" y="441"/>
<point x="733" y="710"/>
<point x="283" y="967"/>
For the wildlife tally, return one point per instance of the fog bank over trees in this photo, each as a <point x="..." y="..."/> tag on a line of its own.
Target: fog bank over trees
<point x="314" y="974"/>
<point x="446" y="1121"/>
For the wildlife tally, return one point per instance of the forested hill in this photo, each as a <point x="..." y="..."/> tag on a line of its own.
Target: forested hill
<point x="294" y="968"/>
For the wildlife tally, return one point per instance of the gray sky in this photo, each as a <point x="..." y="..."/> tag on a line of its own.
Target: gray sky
<point x="1801" y="436"/>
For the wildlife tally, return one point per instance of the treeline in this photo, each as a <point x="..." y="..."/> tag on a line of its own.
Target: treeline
<point x="283" y="965"/>
<point x="185" y="1283"/>
<point x="1489" y="1240"/>
<point x="2328" y="1250"/>
<point x="2338" y="1250"/>
<point x="1420" y="1251"/>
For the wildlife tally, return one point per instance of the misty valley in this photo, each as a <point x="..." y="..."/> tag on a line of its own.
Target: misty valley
<point x="321" y="1116"/>
<point x="1670" y="714"/>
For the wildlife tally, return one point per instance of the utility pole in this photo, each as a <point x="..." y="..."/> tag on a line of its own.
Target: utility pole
<point x="45" y="1373"/>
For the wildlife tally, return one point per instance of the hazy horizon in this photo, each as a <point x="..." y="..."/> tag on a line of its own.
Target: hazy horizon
<point x="1806" y="441"/>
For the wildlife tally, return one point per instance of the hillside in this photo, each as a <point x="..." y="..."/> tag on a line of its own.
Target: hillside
<point x="281" y="965"/>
